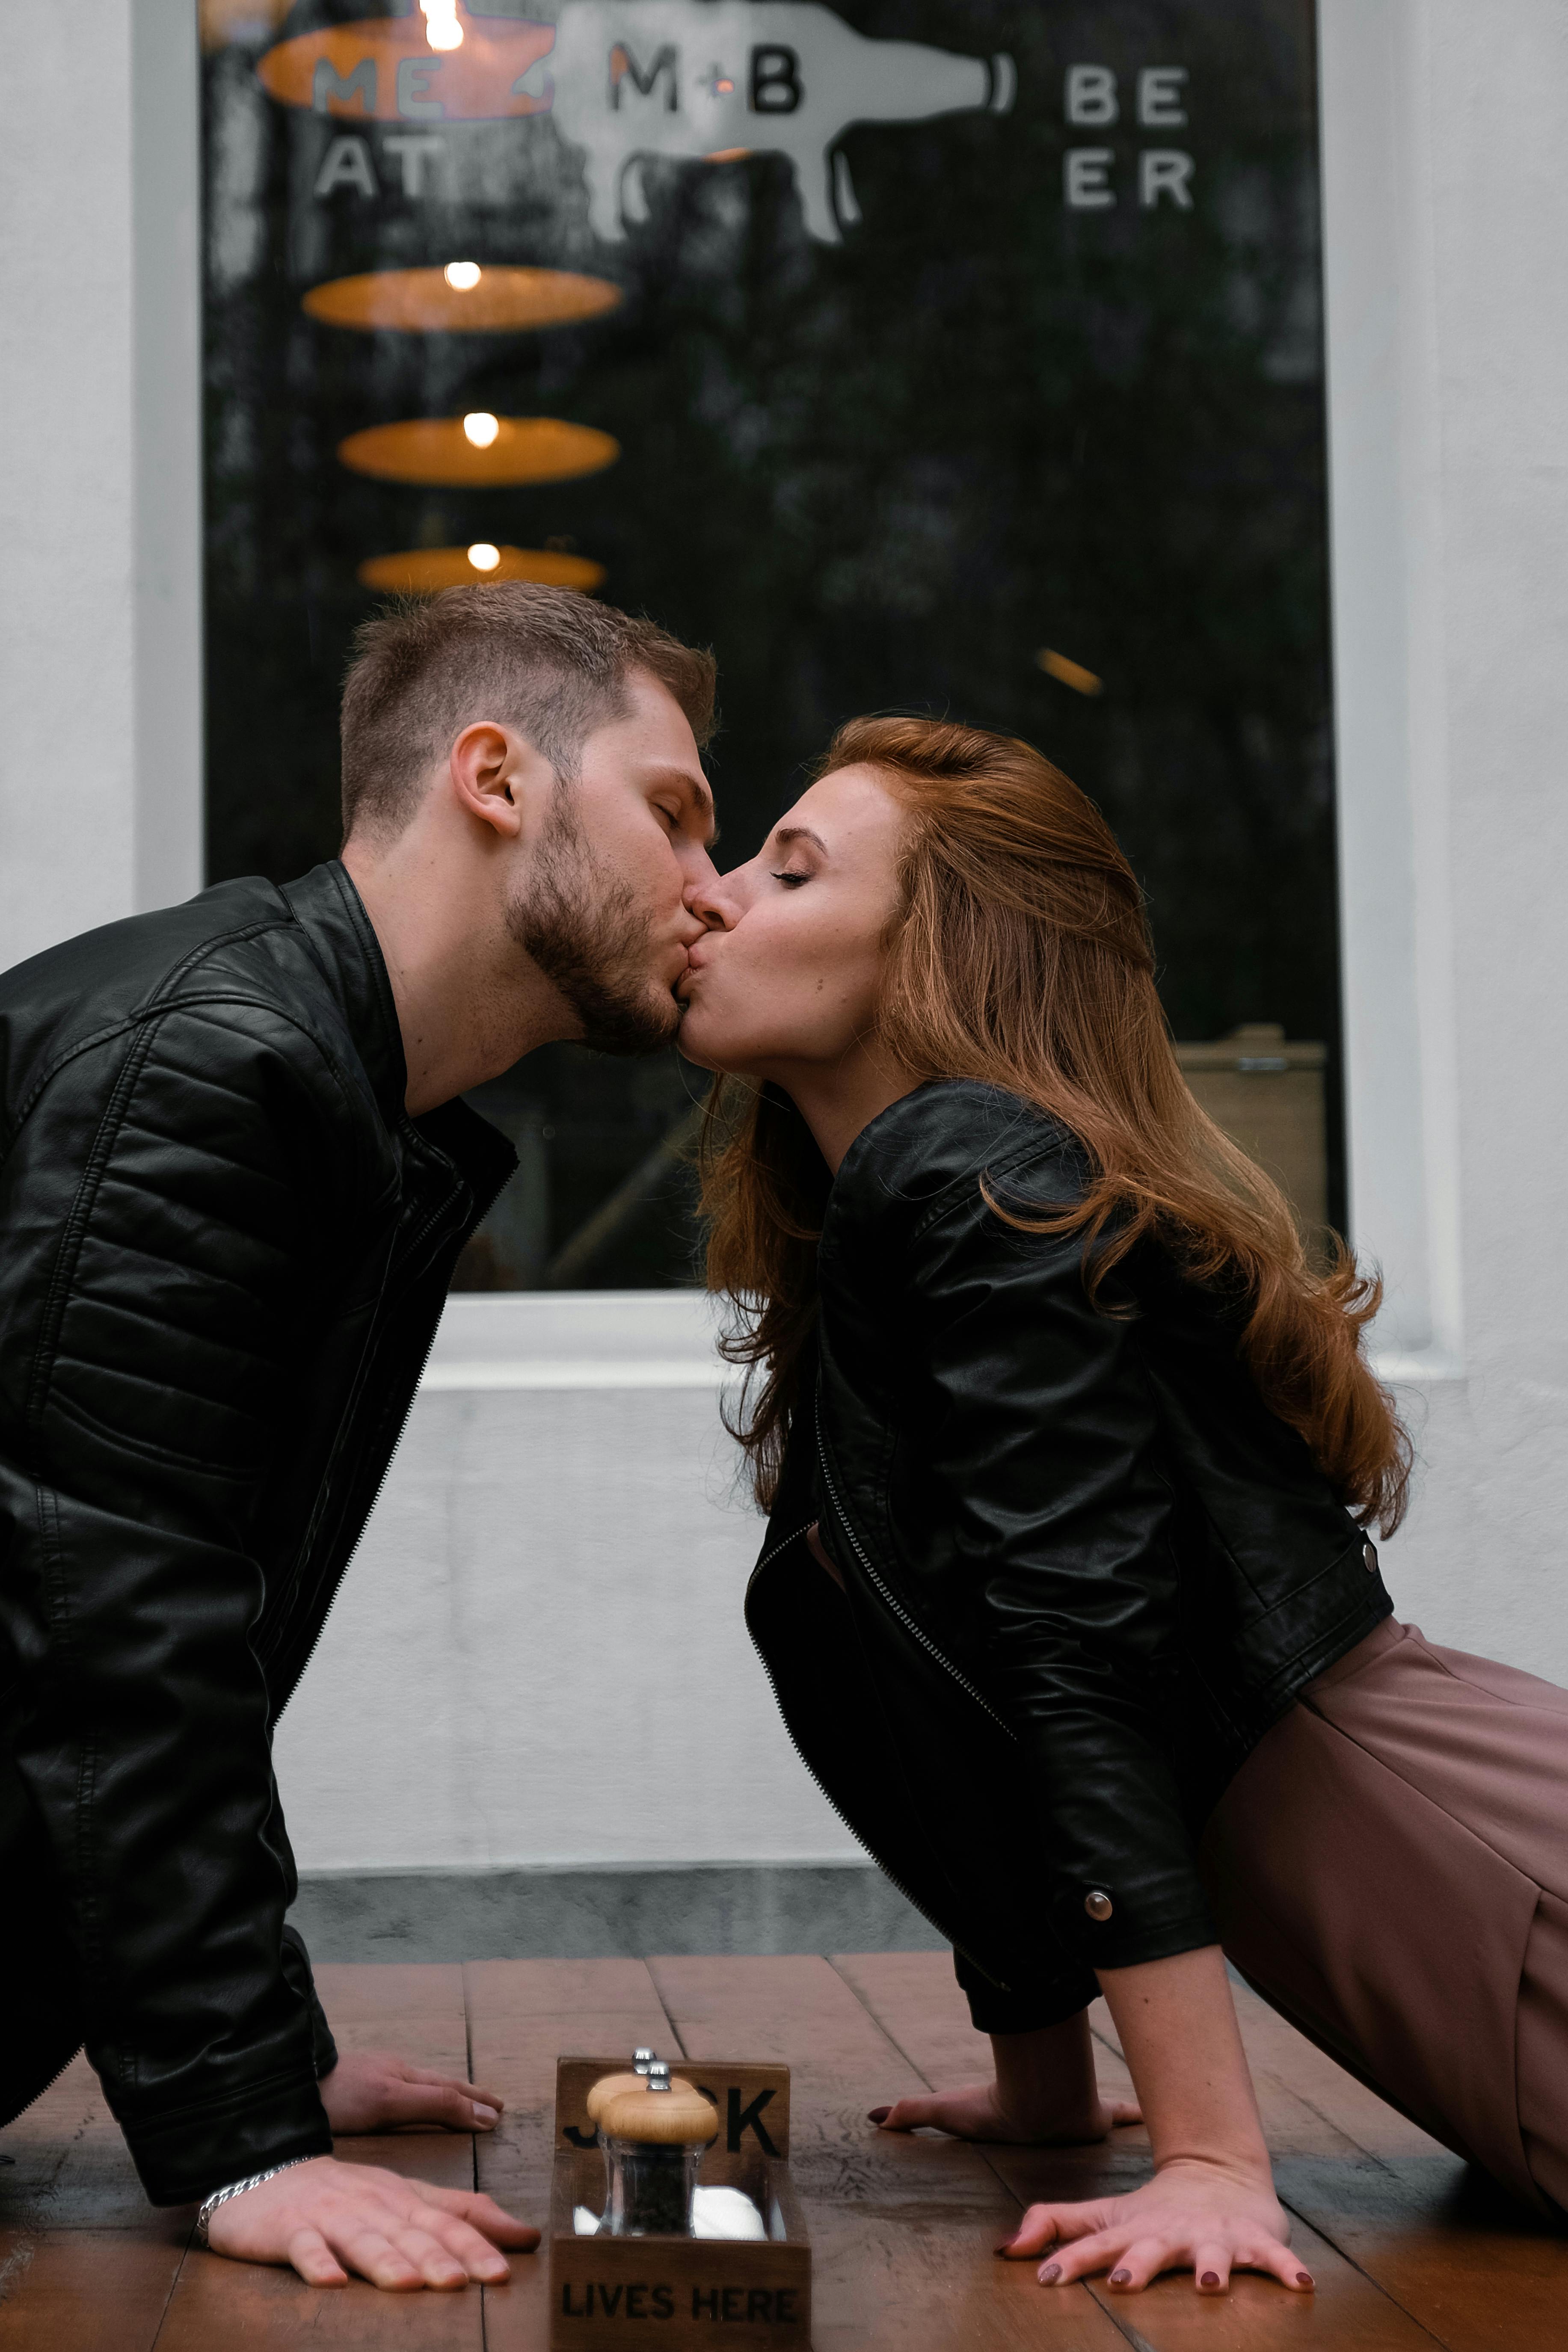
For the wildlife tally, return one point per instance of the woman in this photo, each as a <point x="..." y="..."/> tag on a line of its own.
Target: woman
<point x="1066" y="1593"/>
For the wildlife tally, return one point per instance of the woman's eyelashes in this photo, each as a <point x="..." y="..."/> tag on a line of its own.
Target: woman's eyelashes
<point x="792" y="877"/>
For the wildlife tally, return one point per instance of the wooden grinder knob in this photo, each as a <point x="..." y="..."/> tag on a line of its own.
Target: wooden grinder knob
<point x="607" y="2087"/>
<point x="678" y="2118"/>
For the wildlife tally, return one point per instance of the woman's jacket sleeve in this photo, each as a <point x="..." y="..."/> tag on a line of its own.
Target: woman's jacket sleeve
<point x="1043" y="1455"/>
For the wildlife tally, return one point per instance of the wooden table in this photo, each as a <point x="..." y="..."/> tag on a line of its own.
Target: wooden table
<point x="1409" y="2251"/>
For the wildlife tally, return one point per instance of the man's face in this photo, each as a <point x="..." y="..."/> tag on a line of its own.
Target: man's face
<point x="604" y="907"/>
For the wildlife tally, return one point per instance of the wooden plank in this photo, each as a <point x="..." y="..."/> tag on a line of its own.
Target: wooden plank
<point x="81" y="2290"/>
<point x="1461" y="2257"/>
<point x="921" y="2009"/>
<point x="902" y="2229"/>
<point x="418" y="2011"/>
<point x="72" y="2168"/>
<point x="85" y="2261"/>
<point x="523" y="2015"/>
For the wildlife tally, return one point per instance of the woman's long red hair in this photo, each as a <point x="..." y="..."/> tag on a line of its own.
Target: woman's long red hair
<point x="1020" y="956"/>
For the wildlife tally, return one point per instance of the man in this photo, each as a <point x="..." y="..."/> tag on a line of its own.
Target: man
<point x="233" y="1180"/>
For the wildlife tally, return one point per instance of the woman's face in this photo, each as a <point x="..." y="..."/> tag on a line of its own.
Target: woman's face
<point x="790" y="970"/>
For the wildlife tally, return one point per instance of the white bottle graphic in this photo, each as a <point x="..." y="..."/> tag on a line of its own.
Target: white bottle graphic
<point x="699" y="79"/>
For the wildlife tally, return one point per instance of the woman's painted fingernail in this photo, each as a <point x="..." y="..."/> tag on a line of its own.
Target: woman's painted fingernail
<point x="1048" y="2274"/>
<point x="1303" y="2278"/>
<point x="1209" y="2278"/>
<point x="878" y="2115"/>
<point x="484" y="2117"/>
<point x="1120" y="2278"/>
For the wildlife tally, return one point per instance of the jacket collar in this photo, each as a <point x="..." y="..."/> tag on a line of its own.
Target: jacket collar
<point x="331" y="912"/>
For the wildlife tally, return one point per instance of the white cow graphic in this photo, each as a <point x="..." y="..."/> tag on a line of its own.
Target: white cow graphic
<point x="693" y="79"/>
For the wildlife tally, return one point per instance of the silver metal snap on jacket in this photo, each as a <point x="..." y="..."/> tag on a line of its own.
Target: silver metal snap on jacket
<point x="1369" y="1558"/>
<point x="1099" y="1903"/>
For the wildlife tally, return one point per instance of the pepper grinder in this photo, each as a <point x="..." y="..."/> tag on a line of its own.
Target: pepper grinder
<point x="643" y="2062"/>
<point x="653" y="2138"/>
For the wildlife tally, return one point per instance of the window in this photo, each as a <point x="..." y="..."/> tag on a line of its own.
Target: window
<point x="955" y="355"/>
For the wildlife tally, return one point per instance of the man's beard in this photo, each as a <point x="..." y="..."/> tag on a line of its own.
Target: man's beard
<point x="593" y="940"/>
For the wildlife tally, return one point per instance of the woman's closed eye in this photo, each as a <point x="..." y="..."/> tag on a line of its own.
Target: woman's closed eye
<point x="792" y="876"/>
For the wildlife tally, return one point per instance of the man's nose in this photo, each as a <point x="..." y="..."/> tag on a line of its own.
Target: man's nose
<point x="710" y="900"/>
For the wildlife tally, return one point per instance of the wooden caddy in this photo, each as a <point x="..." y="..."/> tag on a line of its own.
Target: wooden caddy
<point x="719" y="2292"/>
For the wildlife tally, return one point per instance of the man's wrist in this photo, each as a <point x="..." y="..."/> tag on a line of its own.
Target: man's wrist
<point x="238" y="2189"/>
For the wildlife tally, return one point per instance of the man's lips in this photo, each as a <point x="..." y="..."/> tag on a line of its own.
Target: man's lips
<point x="695" y="961"/>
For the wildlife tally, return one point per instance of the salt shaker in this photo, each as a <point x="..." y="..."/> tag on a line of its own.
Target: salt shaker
<point x="653" y="2138"/>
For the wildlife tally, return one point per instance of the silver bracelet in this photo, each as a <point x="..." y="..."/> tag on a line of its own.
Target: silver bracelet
<point x="238" y="2189"/>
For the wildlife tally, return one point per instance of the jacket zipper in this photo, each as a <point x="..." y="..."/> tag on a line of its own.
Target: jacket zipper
<point x="812" y="1773"/>
<point x="890" y="1599"/>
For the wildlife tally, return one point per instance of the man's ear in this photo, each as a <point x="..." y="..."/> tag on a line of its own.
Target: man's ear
<point x="490" y="769"/>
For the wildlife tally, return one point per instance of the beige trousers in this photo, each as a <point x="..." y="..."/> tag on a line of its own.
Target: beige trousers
<point x="1390" y="1869"/>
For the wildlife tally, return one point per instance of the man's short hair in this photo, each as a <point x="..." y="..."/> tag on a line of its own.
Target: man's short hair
<point x="547" y="662"/>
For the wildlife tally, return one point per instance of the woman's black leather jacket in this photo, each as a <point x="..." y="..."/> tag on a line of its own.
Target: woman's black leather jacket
<point x="1084" y="1568"/>
<point x="224" y="1249"/>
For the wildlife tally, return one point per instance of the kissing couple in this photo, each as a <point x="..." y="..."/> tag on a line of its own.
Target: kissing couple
<point x="1072" y="1458"/>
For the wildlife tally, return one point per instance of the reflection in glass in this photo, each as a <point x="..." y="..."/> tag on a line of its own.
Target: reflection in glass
<point x="479" y="450"/>
<point x="462" y="299"/>
<point x="421" y="571"/>
<point x="984" y="377"/>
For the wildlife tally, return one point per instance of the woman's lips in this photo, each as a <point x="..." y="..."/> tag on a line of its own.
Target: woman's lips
<point x="694" y="962"/>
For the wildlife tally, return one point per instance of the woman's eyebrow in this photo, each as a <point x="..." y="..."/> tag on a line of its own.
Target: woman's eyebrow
<point x="784" y="834"/>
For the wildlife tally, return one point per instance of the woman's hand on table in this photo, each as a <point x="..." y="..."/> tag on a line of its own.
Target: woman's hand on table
<point x="1195" y="2215"/>
<point x="1045" y="2095"/>
<point x="1210" y="2208"/>
<point x="977" y="2111"/>
<point x="327" y="2220"/>
<point x="376" y="2091"/>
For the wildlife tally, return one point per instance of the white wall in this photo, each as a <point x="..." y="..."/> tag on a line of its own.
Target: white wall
<point x="539" y="1654"/>
<point x="99" y="491"/>
<point x="1447" y="211"/>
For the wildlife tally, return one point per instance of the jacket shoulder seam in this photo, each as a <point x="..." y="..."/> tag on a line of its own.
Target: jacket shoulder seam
<point x="207" y="948"/>
<point x="953" y="1195"/>
<point x="156" y="1011"/>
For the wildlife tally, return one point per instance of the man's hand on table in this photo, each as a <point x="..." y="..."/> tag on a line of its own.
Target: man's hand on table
<point x="375" y="2090"/>
<point x="328" y="2219"/>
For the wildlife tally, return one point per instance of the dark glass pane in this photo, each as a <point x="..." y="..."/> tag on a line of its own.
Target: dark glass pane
<point x="903" y="408"/>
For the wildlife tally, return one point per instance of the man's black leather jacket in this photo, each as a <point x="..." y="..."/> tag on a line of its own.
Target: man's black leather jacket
<point x="223" y="1248"/>
<point x="1084" y="1568"/>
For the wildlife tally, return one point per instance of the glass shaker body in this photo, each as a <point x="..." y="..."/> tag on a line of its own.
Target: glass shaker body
<point x="648" y="2188"/>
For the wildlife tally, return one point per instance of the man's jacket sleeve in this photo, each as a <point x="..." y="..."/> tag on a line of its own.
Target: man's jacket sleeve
<point x="1044" y="1460"/>
<point x="148" y="1331"/>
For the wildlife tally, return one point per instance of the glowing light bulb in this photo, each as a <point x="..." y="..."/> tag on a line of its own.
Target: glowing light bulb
<point x="483" y="556"/>
<point x="442" y="29"/>
<point x="462" y="276"/>
<point x="481" y="427"/>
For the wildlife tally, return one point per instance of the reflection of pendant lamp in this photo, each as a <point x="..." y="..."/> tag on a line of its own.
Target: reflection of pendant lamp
<point x="424" y="569"/>
<point x="1069" y="672"/>
<point x="387" y="69"/>
<point x="466" y="453"/>
<point x="464" y="299"/>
